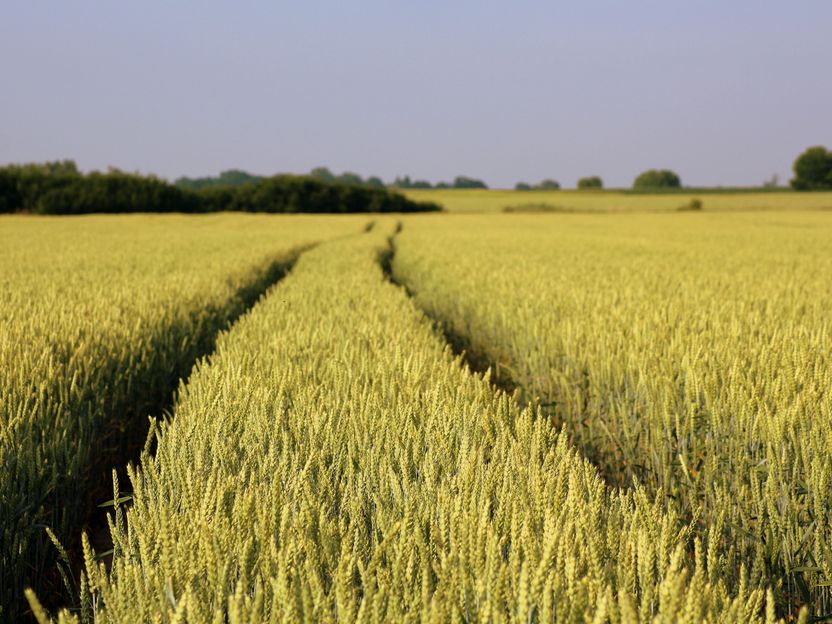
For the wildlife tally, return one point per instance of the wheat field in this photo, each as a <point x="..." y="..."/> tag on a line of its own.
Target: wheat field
<point x="492" y="418"/>
<point x="689" y="354"/>
<point x="100" y="318"/>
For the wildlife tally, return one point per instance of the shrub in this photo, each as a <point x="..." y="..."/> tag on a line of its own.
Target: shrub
<point x="694" y="204"/>
<point x="537" y="207"/>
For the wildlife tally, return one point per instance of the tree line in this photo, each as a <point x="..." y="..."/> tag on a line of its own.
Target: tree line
<point x="236" y="177"/>
<point x="812" y="169"/>
<point x="60" y="188"/>
<point x="812" y="172"/>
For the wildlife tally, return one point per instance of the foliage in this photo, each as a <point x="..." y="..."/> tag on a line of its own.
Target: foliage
<point x="291" y="194"/>
<point x="334" y="462"/>
<point x="57" y="189"/>
<point x="694" y="361"/>
<point x="99" y="318"/>
<point x="115" y="192"/>
<point x="322" y="174"/>
<point x="348" y="177"/>
<point x="590" y="182"/>
<point x="21" y="186"/>
<point x="657" y="179"/>
<point x="464" y="182"/>
<point x="460" y="182"/>
<point x="406" y="183"/>
<point x="232" y="177"/>
<point x="813" y="170"/>
<point x="546" y="185"/>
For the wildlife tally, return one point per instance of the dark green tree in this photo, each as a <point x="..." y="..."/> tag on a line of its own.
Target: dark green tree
<point x="590" y="182"/>
<point x="323" y="174"/>
<point x="657" y="179"/>
<point x="231" y="177"/>
<point x="813" y="170"/>
<point x="44" y="189"/>
<point x="348" y="177"/>
<point x="549" y="185"/>
<point x="61" y="168"/>
<point x="464" y="182"/>
<point x="522" y="186"/>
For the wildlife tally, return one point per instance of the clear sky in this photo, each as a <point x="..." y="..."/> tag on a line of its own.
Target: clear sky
<point x="723" y="92"/>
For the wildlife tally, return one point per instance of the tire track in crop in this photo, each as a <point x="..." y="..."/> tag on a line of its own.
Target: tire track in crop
<point x="476" y="359"/>
<point x="129" y="433"/>
<point x="499" y="374"/>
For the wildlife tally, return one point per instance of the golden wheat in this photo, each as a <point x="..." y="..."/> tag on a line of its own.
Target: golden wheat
<point x="99" y="317"/>
<point x="688" y="353"/>
<point x="333" y="461"/>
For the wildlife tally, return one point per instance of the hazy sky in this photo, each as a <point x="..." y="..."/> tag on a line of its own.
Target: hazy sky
<point x="724" y="92"/>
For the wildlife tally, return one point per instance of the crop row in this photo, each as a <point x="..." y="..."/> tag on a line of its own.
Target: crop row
<point x="99" y="319"/>
<point x="690" y="354"/>
<point x="333" y="461"/>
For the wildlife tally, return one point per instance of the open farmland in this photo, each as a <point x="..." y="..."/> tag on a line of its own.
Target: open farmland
<point x="335" y="462"/>
<point x="649" y="446"/>
<point x="418" y="313"/>
<point x="486" y="200"/>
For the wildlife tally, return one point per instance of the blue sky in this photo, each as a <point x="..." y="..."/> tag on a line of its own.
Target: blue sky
<point x="722" y="92"/>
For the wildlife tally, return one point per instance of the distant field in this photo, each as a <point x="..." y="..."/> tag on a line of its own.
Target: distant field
<point x="478" y="200"/>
